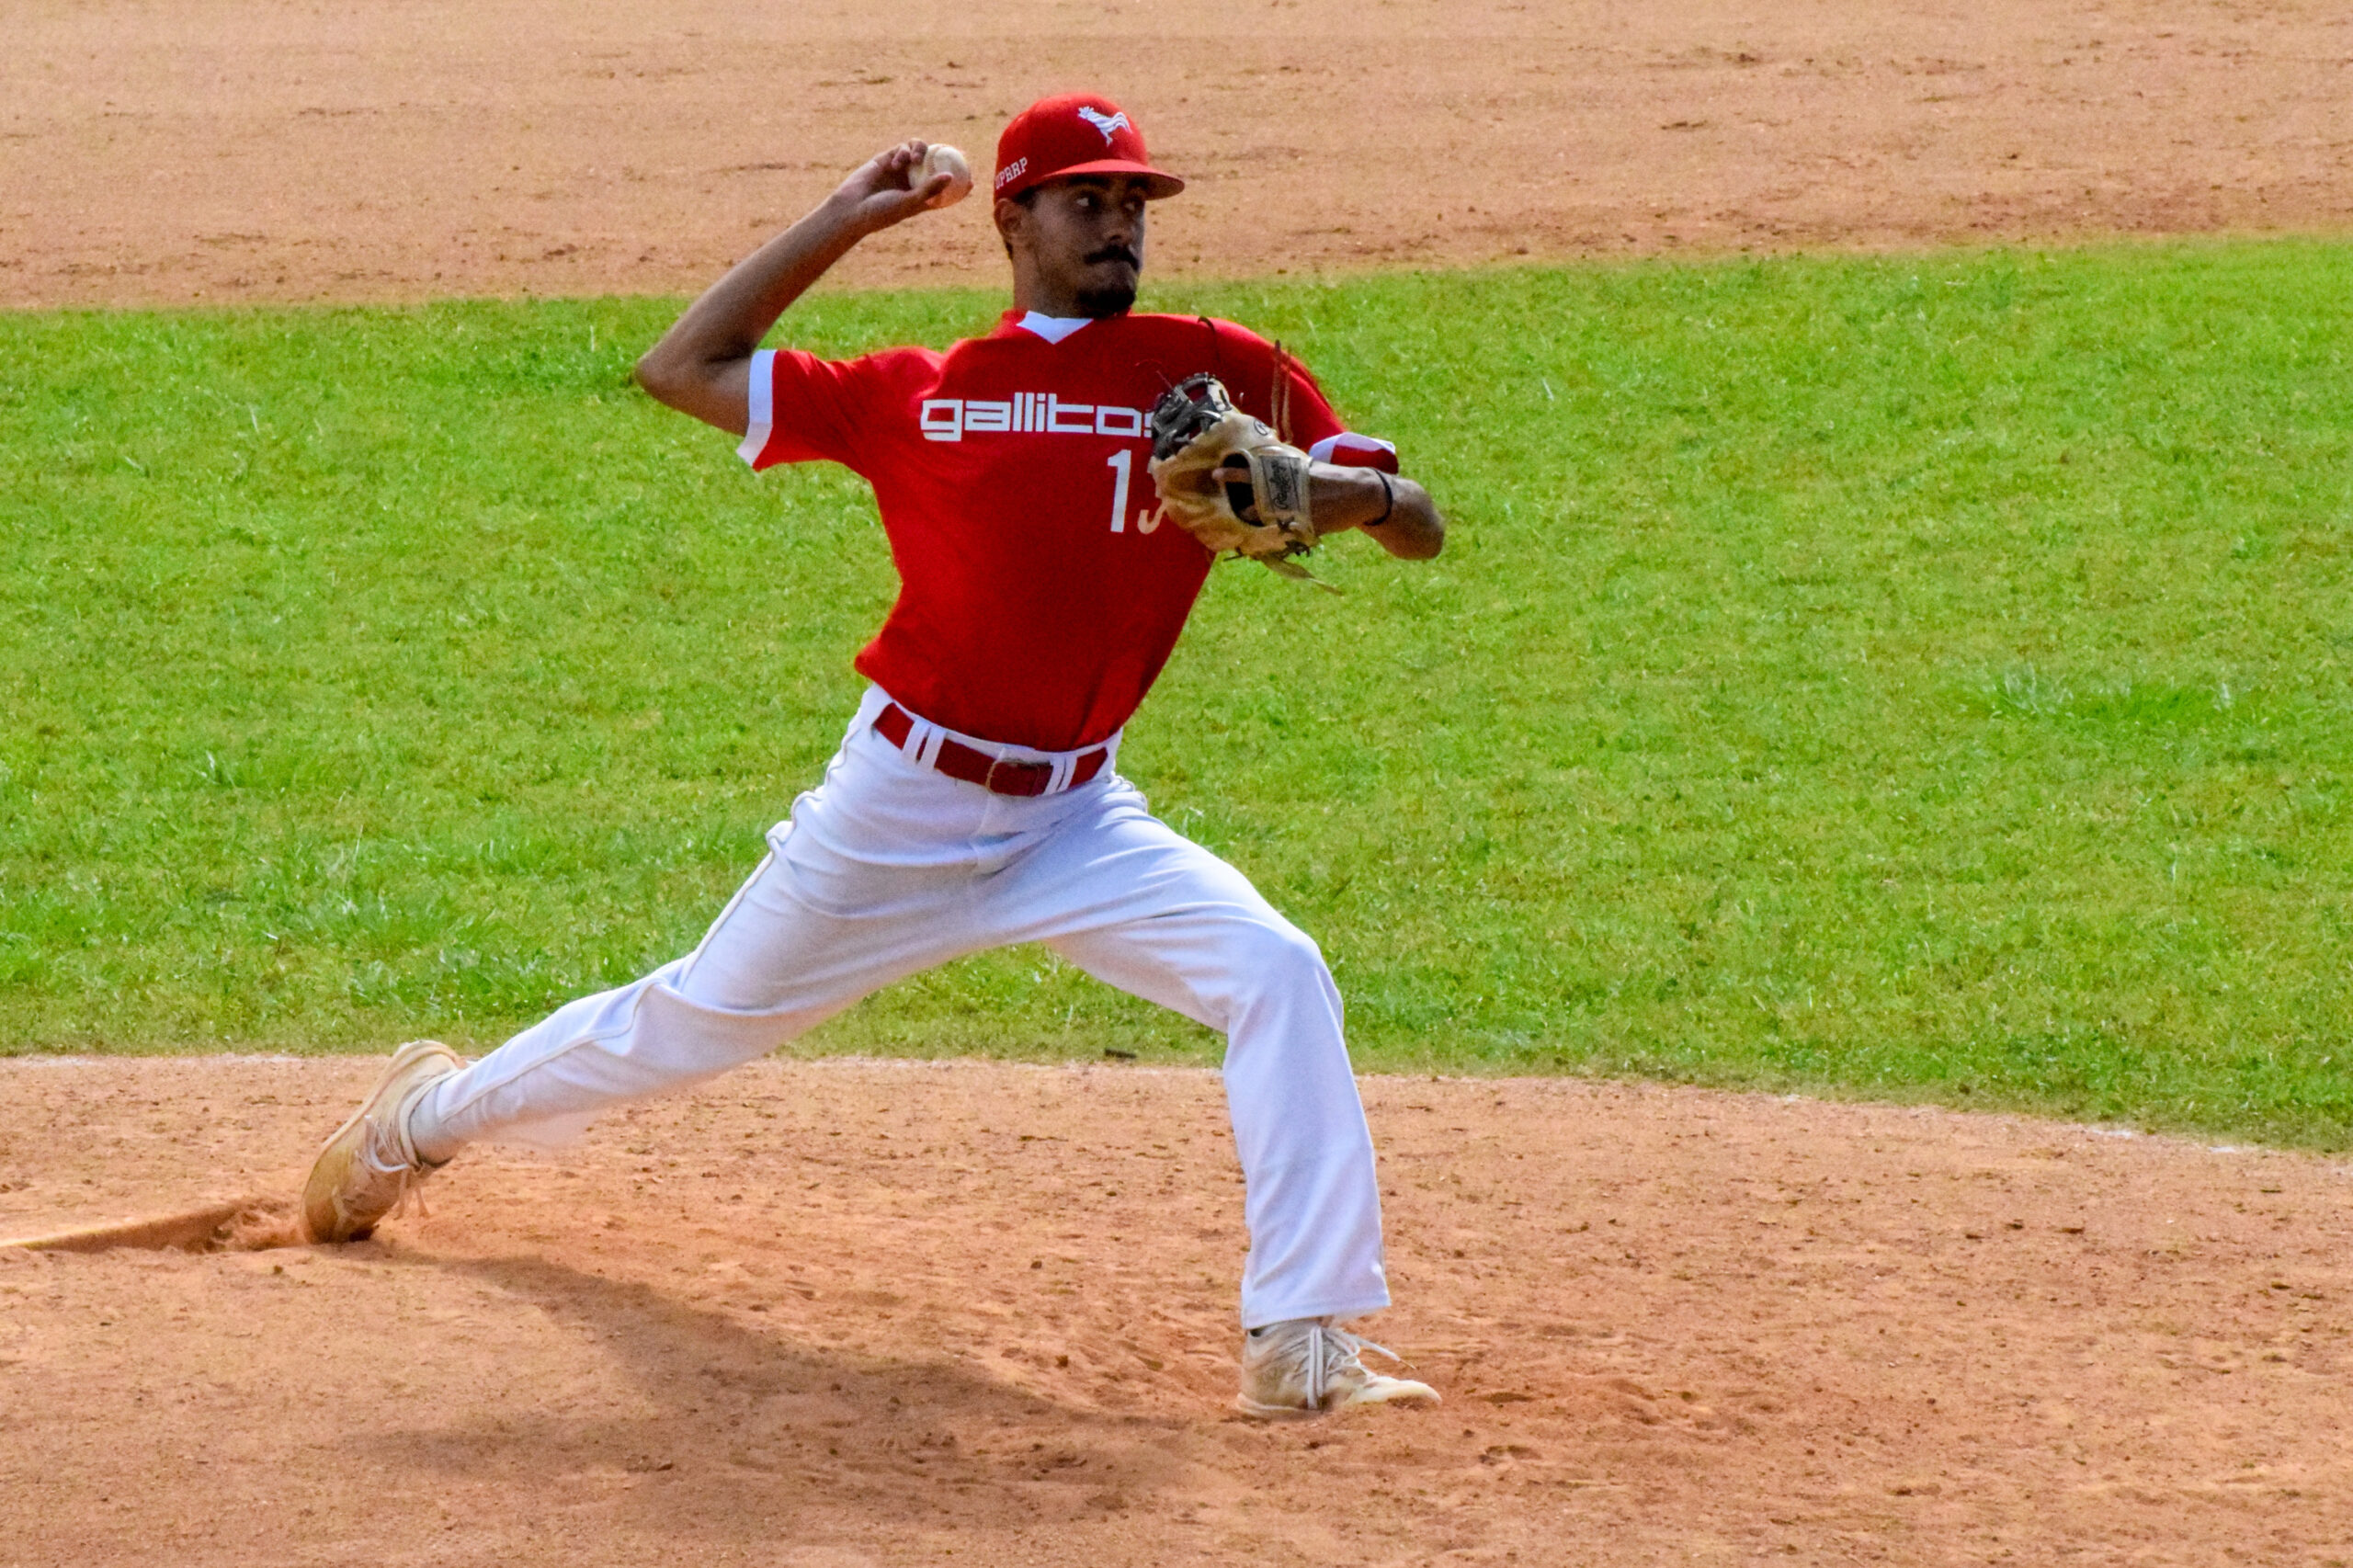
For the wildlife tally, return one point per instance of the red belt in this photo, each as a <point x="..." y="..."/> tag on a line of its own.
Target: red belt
<point x="999" y="776"/>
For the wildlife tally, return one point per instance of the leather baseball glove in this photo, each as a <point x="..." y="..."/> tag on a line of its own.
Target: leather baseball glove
<point x="1228" y="480"/>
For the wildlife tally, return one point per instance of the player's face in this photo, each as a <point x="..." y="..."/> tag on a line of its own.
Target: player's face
<point x="1085" y="239"/>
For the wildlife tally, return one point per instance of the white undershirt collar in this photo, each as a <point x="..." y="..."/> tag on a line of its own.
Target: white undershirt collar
<point x="1053" y="329"/>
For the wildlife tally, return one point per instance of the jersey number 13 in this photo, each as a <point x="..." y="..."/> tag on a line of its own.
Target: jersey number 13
<point x="1122" y="465"/>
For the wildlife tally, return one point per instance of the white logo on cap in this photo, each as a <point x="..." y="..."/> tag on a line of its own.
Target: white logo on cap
<point x="1106" y="123"/>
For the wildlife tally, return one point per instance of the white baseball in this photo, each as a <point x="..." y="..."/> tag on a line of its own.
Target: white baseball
<point x="942" y="159"/>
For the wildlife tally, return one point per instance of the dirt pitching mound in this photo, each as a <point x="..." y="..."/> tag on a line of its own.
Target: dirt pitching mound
<point x="261" y="150"/>
<point x="844" y="1314"/>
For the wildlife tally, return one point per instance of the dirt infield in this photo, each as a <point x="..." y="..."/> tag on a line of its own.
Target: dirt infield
<point x="844" y="1313"/>
<point x="224" y="150"/>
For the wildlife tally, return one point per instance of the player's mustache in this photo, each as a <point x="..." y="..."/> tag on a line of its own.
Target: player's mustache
<point x="1116" y="253"/>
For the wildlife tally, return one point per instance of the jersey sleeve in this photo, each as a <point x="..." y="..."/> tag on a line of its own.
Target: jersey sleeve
<point x="1315" y="426"/>
<point x="804" y="409"/>
<point x="1295" y="405"/>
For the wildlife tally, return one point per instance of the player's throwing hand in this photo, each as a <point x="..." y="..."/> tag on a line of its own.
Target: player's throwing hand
<point x="891" y="186"/>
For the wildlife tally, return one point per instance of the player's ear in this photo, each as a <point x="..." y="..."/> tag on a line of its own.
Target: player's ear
<point x="1012" y="220"/>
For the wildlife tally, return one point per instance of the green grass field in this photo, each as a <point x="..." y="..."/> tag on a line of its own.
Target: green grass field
<point x="1912" y="677"/>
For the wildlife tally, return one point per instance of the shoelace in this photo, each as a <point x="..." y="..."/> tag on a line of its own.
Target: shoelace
<point x="1334" y="1350"/>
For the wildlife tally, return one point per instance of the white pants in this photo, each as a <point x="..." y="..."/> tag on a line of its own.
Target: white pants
<point x="887" y="868"/>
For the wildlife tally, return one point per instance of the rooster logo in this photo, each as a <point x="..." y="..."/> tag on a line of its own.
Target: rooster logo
<point x="1106" y="123"/>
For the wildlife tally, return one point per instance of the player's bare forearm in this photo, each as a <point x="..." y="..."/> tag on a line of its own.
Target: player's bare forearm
<point x="702" y="365"/>
<point x="1345" y="497"/>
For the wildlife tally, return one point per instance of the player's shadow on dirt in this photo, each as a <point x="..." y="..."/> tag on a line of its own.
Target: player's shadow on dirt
<point x="751" y="1434"/>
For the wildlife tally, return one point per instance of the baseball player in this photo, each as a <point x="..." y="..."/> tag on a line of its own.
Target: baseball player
<point x="1023" y="480"/>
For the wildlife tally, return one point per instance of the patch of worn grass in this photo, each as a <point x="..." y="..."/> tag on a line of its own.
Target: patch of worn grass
<point x="1908" y="676"/>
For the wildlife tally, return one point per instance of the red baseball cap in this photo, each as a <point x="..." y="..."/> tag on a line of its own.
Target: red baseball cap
<point x="1076" y="133"/>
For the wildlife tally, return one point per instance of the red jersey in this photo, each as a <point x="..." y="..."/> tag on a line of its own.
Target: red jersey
<point x="1034" y="606"/>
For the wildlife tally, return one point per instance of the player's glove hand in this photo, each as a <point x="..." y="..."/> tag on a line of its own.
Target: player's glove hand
<point x="1228" y="480"/>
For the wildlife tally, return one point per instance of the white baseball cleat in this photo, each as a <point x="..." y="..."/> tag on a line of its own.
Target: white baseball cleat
<point x="1306" y="1366"/>
<point x="367" y="1169"/>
